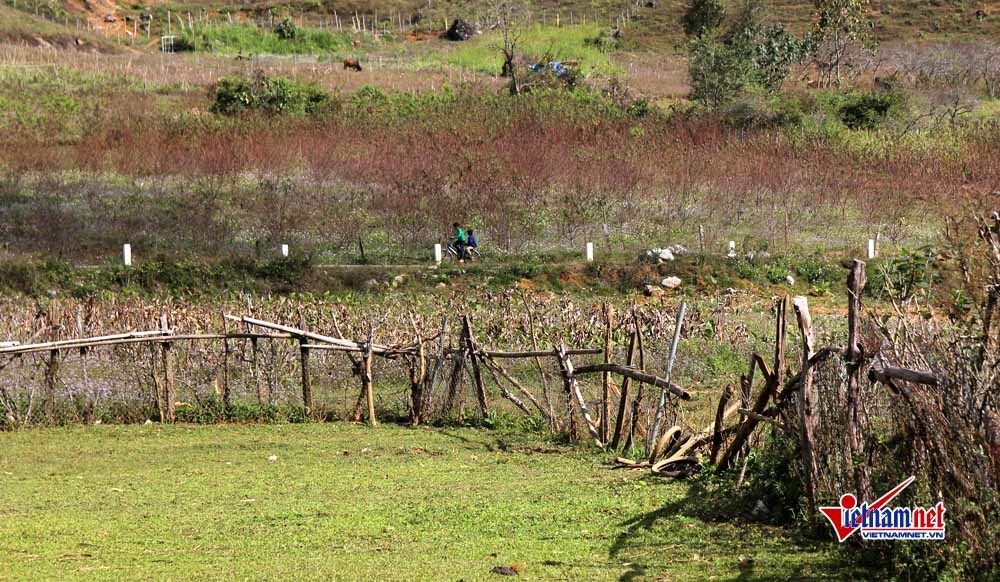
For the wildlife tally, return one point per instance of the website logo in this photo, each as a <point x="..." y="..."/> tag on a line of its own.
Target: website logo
<point x="879" y="521"/>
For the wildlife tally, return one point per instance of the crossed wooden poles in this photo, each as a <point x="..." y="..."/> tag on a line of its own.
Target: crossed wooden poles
<point x="425" y="370"/>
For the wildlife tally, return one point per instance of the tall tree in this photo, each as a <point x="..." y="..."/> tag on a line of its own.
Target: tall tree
<point x="703" y="16"/>
<point x="841" y="25"/>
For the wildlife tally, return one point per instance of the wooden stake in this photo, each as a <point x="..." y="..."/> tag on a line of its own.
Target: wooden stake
<point x="606" y="376"/>
<point x="169" y="413"/>
<point x="637" y="403"/>
<point x="623" y="399"/>
<point x="477" y="373"/>
<point x="255" y="361"/>
<point x="720" y="412"/>
<point x="856" y="282"/>
<point x="226" y="396"/>
<point x="366" y="378"/>
<point x="418" y="376"/>
<point x="572" y="386"/>
<point x="307" y="400"/>
<point x="661" y="404"/>
<point x="807" y="404"/>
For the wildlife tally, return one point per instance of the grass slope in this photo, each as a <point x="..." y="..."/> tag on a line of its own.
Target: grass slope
<point x="21" y="27"/>
<point x="347" y="502"/>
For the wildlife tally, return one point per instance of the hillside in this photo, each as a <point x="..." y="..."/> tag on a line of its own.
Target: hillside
<point x="19" y="27"/>
<point x="654" y="25"/>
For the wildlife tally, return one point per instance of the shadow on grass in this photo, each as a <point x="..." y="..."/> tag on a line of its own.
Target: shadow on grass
<point x="712" y="507"/>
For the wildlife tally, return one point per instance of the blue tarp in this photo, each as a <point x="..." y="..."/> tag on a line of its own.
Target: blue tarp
<point x="557" y="67"/>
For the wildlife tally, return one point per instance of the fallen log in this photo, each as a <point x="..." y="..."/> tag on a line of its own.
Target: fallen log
<point x="887" y="374"/>
<point x="623" y="463"/>
<point x="662" y="442"/>
<point x="80" y="342"/>
<point x="325" y="339"/>
<point x="636" y="375"/>
<point x="658" y="467"/>
<point x="533" y="353"/>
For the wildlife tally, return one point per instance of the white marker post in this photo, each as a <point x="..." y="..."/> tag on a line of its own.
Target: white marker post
<point x="437" y="253"/>
<point x="732" y="248"/>
<point x="590" y="252"/>
<point x="871" y="248"/>
<point x="127" y="254"/>
<point x="284" y="250"/>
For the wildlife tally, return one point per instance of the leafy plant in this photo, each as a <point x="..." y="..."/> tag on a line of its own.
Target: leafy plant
<point x="272" y="95"/>
<point x="869" y="110"/>
<point x="701" y="16"/>
<point x="286" y="29"/>
<point x="910" y="272"/>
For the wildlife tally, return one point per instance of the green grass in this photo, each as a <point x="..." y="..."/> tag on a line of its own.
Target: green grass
<point x="250" y="39"/>
<point x="352" y="503"/>
<point x="482" y="54"/>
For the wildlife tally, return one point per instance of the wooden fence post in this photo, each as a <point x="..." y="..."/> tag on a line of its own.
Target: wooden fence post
<point x="606" y="376"/>
<point x="477" y="373"/>
<point x="720" y="415"/>
<point x="457" y="372"/>
<point x="169" y="412"/>
<point x="856" y="282"/>
<point x="637" y="402"/>
<point x="780" y="334"/>
<point x="255" y="361"/>
<point x="307" y="400"/>
<point x="807" y="404"/>
<point x="366" y="379"/>
<point x="661" y="404"/>
<point x="226" y="395"/>
<point x="626" y="384"/>
<point x="418" y="376"/>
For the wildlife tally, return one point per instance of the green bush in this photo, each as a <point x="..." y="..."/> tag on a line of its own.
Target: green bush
<point x="758" y="111"/>
<point x="702" y="16"/>
<point x="910" y="272"/>
<point x="271" y="95"/>
<point x="817" y="270"/>
<point x="286" y="30"/>
<point x="869" y="110"/>
<point x="718" y="72"/>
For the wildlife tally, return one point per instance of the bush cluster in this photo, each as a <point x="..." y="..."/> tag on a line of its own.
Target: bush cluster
<point x="271" y="95"/>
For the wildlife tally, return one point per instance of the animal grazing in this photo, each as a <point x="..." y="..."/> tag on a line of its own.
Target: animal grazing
<point x="352" y="64"/>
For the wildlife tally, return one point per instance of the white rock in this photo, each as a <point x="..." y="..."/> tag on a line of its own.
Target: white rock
<point x="441" y="285"/>
<point x="98" y="421"/>
<point x="790" y="280"/>
<point x="399" y="279"/>
<point x="272" y="458"/>
<point x="671" y="282"/>
<point x="148" y="421"/>
<point x="662" y="254"/>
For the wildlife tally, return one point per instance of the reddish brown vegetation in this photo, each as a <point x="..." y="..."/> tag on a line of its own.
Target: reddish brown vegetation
<point x="527" y="180"/>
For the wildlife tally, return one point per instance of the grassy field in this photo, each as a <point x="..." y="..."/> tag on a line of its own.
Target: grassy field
<point x="351" y="503"/>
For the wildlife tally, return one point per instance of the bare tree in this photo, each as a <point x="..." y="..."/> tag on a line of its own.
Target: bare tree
<point x="507" y="14"/>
